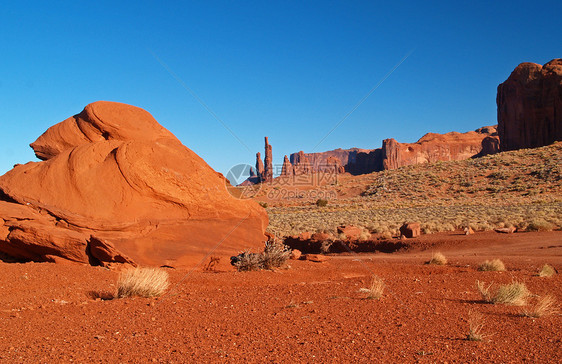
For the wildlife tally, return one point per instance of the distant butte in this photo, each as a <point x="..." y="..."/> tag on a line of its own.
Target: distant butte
<point x="530" y="106"/>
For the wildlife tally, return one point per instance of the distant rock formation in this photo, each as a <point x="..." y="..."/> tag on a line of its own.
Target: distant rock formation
<point x="301" y="163"/>
<point x="268" y="161"/>
<point x="431" y="147"/>
<point x="530" y="106"/>
<point x="434" y="147"/>
<point x="260" y="171"/>
<point x="115" y="186"/>
<point x="287" y="169"/>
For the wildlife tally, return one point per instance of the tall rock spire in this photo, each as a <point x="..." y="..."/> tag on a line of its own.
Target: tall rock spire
<point x="268" y="161"/>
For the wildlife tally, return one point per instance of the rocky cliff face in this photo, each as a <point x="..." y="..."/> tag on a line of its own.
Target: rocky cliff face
<point x="434" y="147"/>
<point x="431" y="147"/>
<point x="530" y="106"/>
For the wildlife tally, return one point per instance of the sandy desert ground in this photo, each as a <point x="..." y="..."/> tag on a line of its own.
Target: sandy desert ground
<point x="311" y="312"/>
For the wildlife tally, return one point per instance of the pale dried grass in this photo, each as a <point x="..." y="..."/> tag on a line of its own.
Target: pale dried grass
<point x="544" y="306"/>
<point x="142" y="282"/>
<point x="495" y="265"/>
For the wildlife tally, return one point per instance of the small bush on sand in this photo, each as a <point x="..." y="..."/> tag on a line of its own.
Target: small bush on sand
<point x="142" y="282"/>
<point x="274" y="255"/>
<point x="475" y="326"/>
<point x="437" y="259"/>
<point x="515" y="293"/>
<point x="540" y="225"/>
<point x="247" y="261"/>
<point x="484" y="291"/>
<point x="495" y="265"/>
<point x="321" y="202"/>
<point x="544" y="306"/>
<point x="376" y="289"/>
<point x="547" y="271"/>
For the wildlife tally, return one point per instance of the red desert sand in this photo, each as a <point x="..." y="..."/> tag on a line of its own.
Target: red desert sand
<point x="312" y="312"/>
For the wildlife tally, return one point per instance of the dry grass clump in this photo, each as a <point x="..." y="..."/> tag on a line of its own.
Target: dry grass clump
<point x="514" y="293"/>
<point x="142" y="282"/>
<point x="274" y="255"/>
<point x="475" y="326"/>
<point x="495" y="265"/>
<point x="437" y="259"/>
<point x="376" y="289"/>
<point x="544" y="306"/>
<point x="547" y="271"/>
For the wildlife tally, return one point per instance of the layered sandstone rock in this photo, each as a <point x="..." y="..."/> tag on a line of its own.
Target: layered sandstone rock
<point x="431" y="147"/>
<point x="434" y="147"/>
<point x="530" y="106"/>
<point x="115" y="186"/>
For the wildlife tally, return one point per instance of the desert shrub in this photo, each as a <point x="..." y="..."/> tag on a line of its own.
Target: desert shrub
<point x="475" y="326"/>
<point x="540" y="225"/>
<point x="495" y="265"/>
<point x="437" y="259"/>
<point x="247" y="261"/>
<point x="274" y="255"/>
<point x="484" y="291"/>
<point x="142" y="282"/>
<point x="547" y="271"/>
<point x="365" y="234"/>
<point x="376" y="288"/>
<point x="544" y="306"/>
<point x="321" y="202"/>
<point x="515" y="293"/>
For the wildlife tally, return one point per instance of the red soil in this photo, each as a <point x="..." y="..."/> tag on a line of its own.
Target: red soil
<point x="309" y="312"/>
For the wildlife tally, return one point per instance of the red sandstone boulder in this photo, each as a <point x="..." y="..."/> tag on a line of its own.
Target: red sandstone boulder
<point x="295" y="254"/>
<point x="350" y="232"/>
<point x="410" y="230"/>
<point x="318" y="258"/>
<point x="529" y="106"/>
<point x="114" y="173"/>
<point x="509" y="230"/>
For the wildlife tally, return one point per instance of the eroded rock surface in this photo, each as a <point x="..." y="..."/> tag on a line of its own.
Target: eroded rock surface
<point x="116" y="186"/>
<point x="530" y="106"/>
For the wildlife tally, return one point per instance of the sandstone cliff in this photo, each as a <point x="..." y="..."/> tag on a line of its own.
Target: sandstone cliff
<point x="530" y="106"/>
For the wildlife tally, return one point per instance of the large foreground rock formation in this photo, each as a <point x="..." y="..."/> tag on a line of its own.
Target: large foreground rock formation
<point x="530" y="106"/>
<point x="115" y="186"/>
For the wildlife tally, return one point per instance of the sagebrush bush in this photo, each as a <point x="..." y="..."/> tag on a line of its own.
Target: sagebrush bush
<point x="274" y="255"/>
<point x="247" y="261"/>
<point x="142" y="282"/>
<point x="475" y="326"/>
<point x="321" y="202"/>
<point x="495" y="265"/>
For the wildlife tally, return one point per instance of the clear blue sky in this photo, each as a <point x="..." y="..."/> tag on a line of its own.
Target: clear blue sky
<point x="288" y="70"/>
